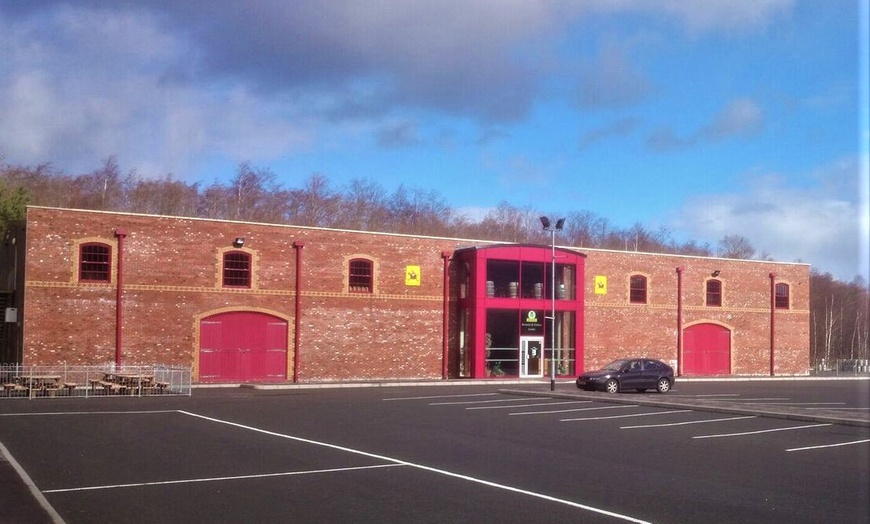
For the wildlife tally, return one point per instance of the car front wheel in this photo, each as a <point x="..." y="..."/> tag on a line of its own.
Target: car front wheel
<point x="611" y="386"/>
<point x="663" y="386"/>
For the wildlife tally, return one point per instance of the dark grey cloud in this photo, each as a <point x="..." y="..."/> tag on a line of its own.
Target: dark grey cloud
<point x="401" y="134"/>
<point x="615" y="129"/>
<point x="740" y="118"/>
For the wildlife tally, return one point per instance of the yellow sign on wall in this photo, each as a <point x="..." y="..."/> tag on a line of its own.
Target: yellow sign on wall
<point x="600" y="285"/>
<point x="412" y="275"/>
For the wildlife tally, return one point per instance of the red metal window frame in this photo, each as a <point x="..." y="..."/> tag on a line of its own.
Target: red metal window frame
<point x="237" y="269"/>
<point x="714" y="293"/>
<point x="95" y="263"/>
<point x="782" y="296"/>
<point x="359" y="276"/>
<point x="637" y="289"/>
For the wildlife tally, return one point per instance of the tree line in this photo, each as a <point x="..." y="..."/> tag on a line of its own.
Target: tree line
<point x="839" y="321"/>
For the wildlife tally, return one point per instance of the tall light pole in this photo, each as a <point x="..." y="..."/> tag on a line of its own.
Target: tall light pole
<point x="545" y="221"/>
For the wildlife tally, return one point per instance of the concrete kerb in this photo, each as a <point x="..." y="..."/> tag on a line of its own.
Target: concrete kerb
<point x="662" y="401"/>
<point x="651" y="399"/>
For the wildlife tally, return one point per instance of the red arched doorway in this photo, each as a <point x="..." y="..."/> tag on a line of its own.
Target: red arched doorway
<point x="706" y="350"/>
<point x="243" y="346"/>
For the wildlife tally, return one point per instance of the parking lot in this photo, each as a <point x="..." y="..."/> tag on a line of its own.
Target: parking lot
<point x="760" y="451"/>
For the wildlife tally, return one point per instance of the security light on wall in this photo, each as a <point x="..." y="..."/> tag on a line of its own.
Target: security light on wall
<point x="716" y="273"/>
<point x="239" y="242"/>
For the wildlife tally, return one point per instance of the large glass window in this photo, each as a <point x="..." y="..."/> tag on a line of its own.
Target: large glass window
<point x="565" y="281"/>
<point x="95" y="263"/>
<point x="532" y="279"/>
<point x="565" y="348"/>
<point x="502" y="342"/>
<point x="502" y="278"/>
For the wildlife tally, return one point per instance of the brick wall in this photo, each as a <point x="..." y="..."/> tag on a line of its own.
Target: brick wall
<point x="171" y="280"/>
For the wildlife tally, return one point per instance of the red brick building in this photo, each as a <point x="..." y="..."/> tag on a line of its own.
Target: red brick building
<point x="246" y="302"/>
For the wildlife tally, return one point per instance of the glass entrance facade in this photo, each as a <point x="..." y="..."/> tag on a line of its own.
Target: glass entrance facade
<point x="508" y="294"/>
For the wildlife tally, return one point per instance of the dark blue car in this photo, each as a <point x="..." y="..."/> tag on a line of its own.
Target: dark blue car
<point x="624" y="374"/>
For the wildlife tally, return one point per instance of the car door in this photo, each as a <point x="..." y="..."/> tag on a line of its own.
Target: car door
<point x="651" y="372"/>
<point x="632" y="375"/>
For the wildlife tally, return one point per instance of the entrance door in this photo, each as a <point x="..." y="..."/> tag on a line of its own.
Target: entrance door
<point x="531" y="355"/>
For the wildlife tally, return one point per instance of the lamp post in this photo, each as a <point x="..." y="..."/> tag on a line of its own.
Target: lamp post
<point x="552" y="228"/>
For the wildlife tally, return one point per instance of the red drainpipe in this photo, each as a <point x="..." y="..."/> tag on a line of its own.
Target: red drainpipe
<point x="297" y="320"/>
<point x="772" y="319"/>
<point x="679" y="320"/>
<point x="120" y="234"/>
<point x="444" y="316"/>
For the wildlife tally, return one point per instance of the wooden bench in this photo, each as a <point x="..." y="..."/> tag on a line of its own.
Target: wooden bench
<point x="11" y="387"/>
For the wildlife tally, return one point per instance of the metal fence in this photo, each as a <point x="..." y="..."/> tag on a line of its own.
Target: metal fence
<point x="62" y="381"/>
<point x="842" y="367"/>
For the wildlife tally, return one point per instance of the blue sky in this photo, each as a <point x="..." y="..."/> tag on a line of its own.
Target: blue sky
<point x="706" y="118"/>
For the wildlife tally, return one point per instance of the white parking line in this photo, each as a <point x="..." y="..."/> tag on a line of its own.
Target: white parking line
<point x="480" y="402"/>
<point x="626" y="416"/>
<point x="756" y="399"/>
<point x="831" y="445"/>
<point x="707" y="396"/>
<point x="570" y="410"/>
<point x="442" y="396"/>
<point x="803" y="403"/>
<point x="218" y="479"/>
<point x="762" y="431"/>
<point x="686" y="423"/>
<point x="532" y="405"/>
<point x="426" y="468"/>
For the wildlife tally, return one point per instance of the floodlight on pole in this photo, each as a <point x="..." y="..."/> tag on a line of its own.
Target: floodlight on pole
<point x="545" y="221"/>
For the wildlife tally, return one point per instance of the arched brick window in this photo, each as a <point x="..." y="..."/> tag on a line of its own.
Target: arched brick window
<point x="781" y="296"/>
<point x="714" y="293"/>
<point x="95" y="262"/>
<point x="360" y="276"/>
<point x="637" y="289"/>
<point x="237" y="269"/>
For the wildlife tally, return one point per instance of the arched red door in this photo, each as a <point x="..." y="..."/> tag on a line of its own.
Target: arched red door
<point x="706" y="350"/>
<point x="243" y="346"/>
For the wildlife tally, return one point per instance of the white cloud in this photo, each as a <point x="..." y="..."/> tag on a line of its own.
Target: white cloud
<point x="822" y="224"/>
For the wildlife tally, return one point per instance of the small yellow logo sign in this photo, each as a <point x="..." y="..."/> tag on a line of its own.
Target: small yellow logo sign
<point x="600" y="285"/>
<point x="412" y="275"/>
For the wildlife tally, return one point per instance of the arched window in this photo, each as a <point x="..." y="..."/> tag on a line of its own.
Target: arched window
<point x="95" y="262"/>
<point x="360" y="276"/>
<point x="237" y="269"/>
<point x="714" y="293"/>
<point x="781" y="296"/>
<point x="637" y="289"/>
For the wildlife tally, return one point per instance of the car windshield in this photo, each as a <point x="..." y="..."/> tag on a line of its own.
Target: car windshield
<point x="616" y="365"/>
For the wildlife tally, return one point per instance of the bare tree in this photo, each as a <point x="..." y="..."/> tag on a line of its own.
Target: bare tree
<point x="736" y="246"/>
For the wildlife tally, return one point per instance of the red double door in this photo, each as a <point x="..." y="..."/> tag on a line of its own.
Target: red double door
<point x="706" y="350"/>
<point x="243" y="346"/>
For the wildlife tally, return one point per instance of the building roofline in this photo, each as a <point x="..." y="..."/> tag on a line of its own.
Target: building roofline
<point x="473" y="243"/>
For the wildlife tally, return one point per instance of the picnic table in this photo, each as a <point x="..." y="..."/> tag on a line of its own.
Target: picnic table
<point x="33" y="384"/>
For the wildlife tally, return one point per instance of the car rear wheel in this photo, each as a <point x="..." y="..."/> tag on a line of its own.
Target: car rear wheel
<point x="611" y="386"/>
<point x="663" y="386"/>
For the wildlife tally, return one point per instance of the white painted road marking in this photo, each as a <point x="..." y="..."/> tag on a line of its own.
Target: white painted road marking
<point x="686" y="423"/>
<point x="426" y="468"/>
<point x="763" y="431"/>
<point x="627" y="416"/>
<point x="532" y="405"/>
<point x="219" y="479"/>
<point x="831" y="445"/>
<point x="571" y="410"/>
